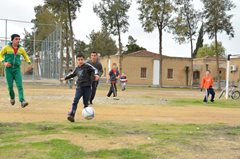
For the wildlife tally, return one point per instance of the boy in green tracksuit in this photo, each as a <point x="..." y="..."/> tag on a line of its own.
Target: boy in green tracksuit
<point x="10" y="55"/>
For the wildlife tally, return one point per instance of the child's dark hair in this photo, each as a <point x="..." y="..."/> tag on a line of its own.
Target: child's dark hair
<point x="114" y="64"/>
<point x="13" y="36"/>
<point x="94" y="52"/>
<point x="80" y="55"/>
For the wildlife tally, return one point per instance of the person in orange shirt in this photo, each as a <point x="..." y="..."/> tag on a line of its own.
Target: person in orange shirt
<point x="207" y="84"/>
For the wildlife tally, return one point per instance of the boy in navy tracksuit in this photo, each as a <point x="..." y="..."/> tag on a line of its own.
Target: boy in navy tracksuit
<point x="86" y="74"/>
<point x="114" y="75"/>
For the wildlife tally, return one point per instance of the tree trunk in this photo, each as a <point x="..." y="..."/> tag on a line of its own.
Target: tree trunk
<point x="67" y="47"/>
<point x="217" y="61"/>
<point x="71" y="33"/>
<point x="160" y="30"/>
<point x="191" y="68"/>
<point x="61" y="53"/>
<point x="120" y="50"/>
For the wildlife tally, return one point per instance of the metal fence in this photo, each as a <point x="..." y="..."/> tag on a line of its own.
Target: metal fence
<point x="50" y="55"/>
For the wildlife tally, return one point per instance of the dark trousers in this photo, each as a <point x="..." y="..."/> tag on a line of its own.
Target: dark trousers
<point x="112" y="90"/>
<point x="84" y="92"/>
<point x="94" y="90"/>
<point x="208" y="92"/>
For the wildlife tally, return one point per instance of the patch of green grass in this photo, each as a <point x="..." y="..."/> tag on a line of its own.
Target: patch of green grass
<point x="166" y="140"/>
<point x="198" y="102"/>
<point x="120" y="153"/>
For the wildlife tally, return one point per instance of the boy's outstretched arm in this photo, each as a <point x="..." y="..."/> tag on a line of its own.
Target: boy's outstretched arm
<point x="70" y="75"/>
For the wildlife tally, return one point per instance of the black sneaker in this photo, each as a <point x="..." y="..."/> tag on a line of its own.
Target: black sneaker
<point x="12" y="101"/>
<point x="24" y="104"/>
<point x="70" y="118"/>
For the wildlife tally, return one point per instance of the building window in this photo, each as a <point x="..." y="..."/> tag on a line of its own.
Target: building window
<point x="143" y="72"/>
<point x="170" y="74"/>
<point x="207" y="67"/>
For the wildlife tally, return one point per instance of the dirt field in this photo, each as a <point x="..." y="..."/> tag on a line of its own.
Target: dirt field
<point x="145" y="123"/>
<point x="51" y="101"/>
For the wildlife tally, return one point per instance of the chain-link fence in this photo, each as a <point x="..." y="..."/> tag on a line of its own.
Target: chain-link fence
<point x="50" y="55"/>
<point x="46" y="63"/>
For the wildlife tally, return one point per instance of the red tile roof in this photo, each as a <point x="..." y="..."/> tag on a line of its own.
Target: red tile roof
<point x="144" y="53"/>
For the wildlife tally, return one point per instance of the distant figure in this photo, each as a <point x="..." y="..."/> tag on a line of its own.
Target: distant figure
<point x="113" y="77"/>
<point x="96" y="64"/>
<point x="70" y="81"/>
<point x="10" y="55"/>
<point x="207" y="84"/>
<point x="123" y="80"/>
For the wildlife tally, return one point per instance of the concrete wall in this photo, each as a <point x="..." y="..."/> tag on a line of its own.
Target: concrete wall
<point x="132" y="68"/>
<point x="235" y="76"/>
<point x="179" y="71"/>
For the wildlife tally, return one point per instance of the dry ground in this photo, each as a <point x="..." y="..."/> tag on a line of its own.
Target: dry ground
<point x="50" y="102"/>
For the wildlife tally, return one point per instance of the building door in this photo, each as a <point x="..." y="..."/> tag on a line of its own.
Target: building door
<point x="156" y="75"/>
<point x="196" y="78"/>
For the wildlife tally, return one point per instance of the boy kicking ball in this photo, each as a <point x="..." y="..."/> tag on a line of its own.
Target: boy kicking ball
<point x="86" y="74"/>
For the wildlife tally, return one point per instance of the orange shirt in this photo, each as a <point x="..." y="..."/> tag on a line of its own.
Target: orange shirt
<point x="207" y="82"/>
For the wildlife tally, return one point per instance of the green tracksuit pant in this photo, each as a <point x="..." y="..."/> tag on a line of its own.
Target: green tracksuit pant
<point x="14" y="73"/>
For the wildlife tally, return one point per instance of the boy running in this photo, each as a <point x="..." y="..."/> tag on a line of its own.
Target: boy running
<point x="85" y="73"/>
<point x="207" y="84"/>
<point x="10" y="55"/>
<point x="114" y="75"/>
<point x="96" y="64"/>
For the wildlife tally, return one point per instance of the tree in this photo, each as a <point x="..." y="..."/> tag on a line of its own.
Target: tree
<point x="113" y="15"/>
<point x="209" y="50"/>
<point x="185" y="25"/>
<point x="28" y="41"/>
<point x="156" y="14"/>
<point x="44" y="23"/>
<point x="81" y="47"/>
<point x="217" y="21"/>
<point x="102" y="43"/>
<point x="199" y="43"/>
<point x="132" y="45"/>
<point x="65" y="11"/>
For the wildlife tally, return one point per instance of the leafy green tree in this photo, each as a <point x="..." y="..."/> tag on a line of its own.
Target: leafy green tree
<point x="113" y="15"/>
<point x="102" y="43"/>
<point x="132" y="45"/>
<point x="81" y="47"/>
<point x="185" y="25"/>
<point x="44" y="23"/>
<point x="28" y="41"/>
<point x="218" y="21"/>
<point x="199" y="43"/>
<point x="65" y="11"/>
<point x="156" y="14"/>
<point x="209" y="50"/>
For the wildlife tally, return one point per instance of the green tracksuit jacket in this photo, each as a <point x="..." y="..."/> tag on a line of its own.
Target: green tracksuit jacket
<point x="14" y="72"/>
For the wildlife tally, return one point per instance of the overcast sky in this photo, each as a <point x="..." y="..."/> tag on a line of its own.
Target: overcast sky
<point x="87" y="21"/>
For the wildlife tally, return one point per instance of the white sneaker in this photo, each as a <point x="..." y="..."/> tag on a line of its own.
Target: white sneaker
<point x="116" y="98"/>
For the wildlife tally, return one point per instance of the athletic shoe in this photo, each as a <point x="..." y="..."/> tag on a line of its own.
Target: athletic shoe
<point x="108" y="97"/>
<point x="71" y="118"/>
<point x="12" y="101"/>
<point x="116" y="98"/>
<point x="24" y="104"/>
<point x="212" y="101"/>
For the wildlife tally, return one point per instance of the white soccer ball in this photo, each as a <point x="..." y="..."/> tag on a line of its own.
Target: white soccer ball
<point x="88" y="113"/>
